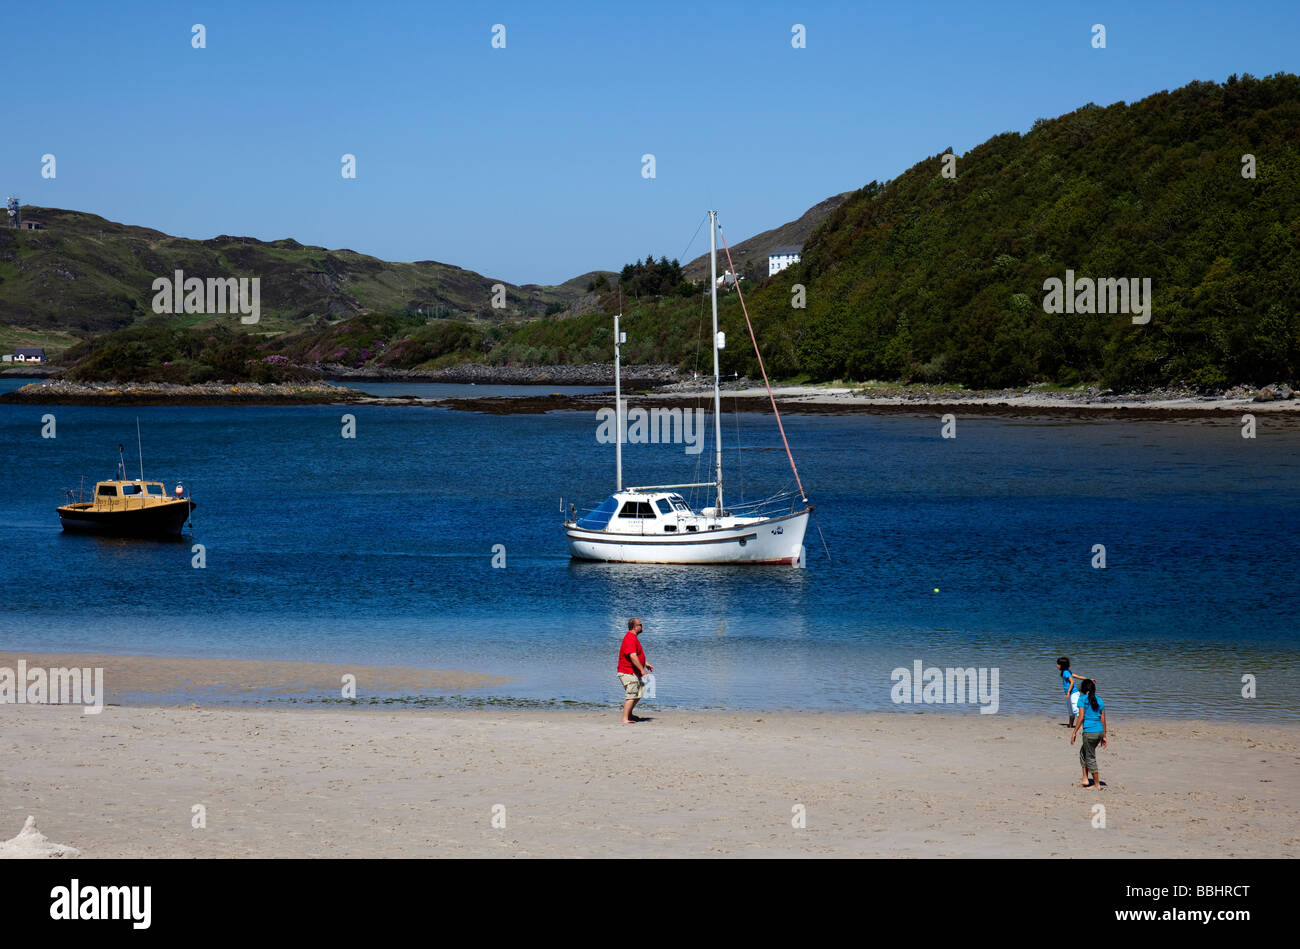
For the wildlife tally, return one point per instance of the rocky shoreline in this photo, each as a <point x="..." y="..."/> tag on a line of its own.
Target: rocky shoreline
<point x="1285" y="414"/>
<point x="595" y="374"/>
<point x="1278" y="401"/>
<point x="64" y="392"/>
<point x="742" y="395"/>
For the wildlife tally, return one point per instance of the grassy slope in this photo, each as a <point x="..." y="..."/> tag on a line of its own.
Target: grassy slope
<point x="52" y="341"/>
<point x="84" y="275"/>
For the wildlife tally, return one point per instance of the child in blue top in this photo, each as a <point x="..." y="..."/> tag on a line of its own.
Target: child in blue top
<point x="1092" y="720"/>
<point x="1070" y="682"/>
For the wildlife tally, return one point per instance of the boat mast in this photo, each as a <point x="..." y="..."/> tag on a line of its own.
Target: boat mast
<point x="618" y="408"/>
<point x="717" y="395"/>
<point x="139" y="450"/>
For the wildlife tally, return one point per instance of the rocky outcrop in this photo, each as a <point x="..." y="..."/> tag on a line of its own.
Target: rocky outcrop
<point x="1278" y="391"/>
<point x="64" y="392"/>
<point x="597" y="374"/>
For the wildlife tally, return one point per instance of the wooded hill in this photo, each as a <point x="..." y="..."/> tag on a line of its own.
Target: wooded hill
<point x="942" y="279"/>
<point x="937" y="279"/>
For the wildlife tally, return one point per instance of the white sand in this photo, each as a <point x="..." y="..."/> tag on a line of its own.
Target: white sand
<point x="1026" y="399"/>
<point x="343" y="783"/>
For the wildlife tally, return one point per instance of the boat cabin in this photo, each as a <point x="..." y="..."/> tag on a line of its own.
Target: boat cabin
<point x="653" y="512"/>
<point x="121" y="495"/>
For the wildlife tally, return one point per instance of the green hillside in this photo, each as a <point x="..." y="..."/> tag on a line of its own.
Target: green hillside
<point x="940" y="279"/>
<point x="924" y="278"/>
<point x="82" y="274"/>
<point x="933" y="279"/>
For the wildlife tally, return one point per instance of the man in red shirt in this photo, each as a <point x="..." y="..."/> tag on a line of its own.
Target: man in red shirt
<point x="631" y="667"/>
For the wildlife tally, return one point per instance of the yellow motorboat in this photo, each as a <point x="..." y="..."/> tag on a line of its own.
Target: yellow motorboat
<point x="126" y="508"/>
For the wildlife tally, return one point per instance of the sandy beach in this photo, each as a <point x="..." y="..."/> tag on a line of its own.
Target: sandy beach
<point x="1031" y="399"/>
<point x="177" y="677"/>
<point x="277" y="782"/>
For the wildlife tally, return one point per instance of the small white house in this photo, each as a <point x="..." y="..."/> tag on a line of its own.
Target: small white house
<point x="29" y="355"/>
<point x="7" y="357"/>
<point x="782" y="257"/>
<point x="728" y="279"/>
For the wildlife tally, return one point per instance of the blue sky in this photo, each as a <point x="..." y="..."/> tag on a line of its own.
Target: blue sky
<point x="524" y="163"/>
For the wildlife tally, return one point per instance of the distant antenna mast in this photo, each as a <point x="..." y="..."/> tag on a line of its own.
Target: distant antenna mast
<point x="618" y="405"/>
<point x="138" y="449"/>
<point x="13" y="212"/>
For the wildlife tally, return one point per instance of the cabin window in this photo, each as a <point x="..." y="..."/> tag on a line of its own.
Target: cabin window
<point x="598" y="519"/>
<point x="155" y="489"/>
<point x="664" y="507"/>
<point x="107" y="491"/>
<point x="637" y="509"/>
<point x="130" y="489"/>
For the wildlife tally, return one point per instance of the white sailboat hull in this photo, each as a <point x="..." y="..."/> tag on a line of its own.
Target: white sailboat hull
<point x="655" y="525"/>
<point x="775" y="540"/>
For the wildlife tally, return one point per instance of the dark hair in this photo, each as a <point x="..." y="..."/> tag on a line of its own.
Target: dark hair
<point x="1090" y="689"/>
<point x="1064" y="662"/>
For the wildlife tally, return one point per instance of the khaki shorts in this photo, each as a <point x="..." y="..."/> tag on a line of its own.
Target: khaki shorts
<point x="1088" y="750"/>
<point x="633" y="687"/>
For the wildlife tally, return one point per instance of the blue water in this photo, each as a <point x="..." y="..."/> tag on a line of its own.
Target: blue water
<point x="378" y="550"/>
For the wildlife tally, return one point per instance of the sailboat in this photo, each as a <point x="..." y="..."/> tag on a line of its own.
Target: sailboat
<point x="656" y="525"/>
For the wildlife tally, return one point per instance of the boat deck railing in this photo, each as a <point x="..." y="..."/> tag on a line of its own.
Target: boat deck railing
<point x="778" y="505"/>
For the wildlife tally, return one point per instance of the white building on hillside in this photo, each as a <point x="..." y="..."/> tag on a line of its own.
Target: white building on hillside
<point x="782" y="257"/>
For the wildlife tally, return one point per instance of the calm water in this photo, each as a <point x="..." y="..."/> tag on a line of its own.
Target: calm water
<point x="378" y="550"/>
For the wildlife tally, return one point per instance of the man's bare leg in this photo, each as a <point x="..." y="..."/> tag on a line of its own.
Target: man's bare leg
<point x="627" y="711"/>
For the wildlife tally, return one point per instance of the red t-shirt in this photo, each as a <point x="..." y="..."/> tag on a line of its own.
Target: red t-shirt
<point x="630" y="645"/>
